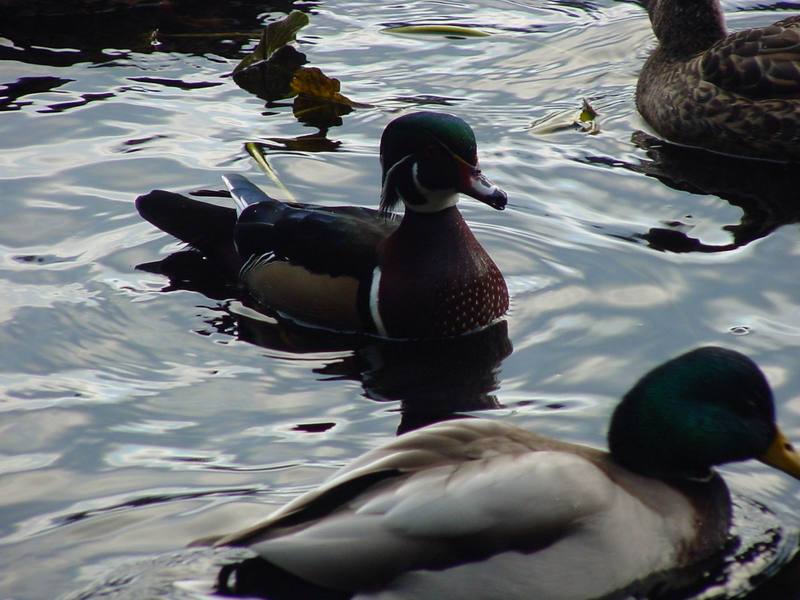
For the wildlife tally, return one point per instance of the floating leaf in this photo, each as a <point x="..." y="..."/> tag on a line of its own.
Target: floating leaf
<point x="257" y="152"/>
<point x="313" y="83"/>
<point x="588" y="114"/>
<point x="271" y="79"/>
<point x="269" y="69"/>
<point x="585" y="120"/>
<point x="447" y="30"/>
<point x="275" y="35"/>
<point x="275" y="71"/>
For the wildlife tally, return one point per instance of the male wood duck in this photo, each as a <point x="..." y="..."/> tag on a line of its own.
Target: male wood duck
<point x="358" y="269"/>
<point x="478" y="508"/>
<point x="735" y="94"/>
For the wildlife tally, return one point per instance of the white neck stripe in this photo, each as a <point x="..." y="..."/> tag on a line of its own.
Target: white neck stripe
<point x="435" y="200"/>
<point x="374" y="309"/>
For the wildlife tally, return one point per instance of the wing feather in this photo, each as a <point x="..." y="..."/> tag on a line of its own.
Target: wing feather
<point x="333" y="241"/>
<point x="445" y="495"/>
<point x="757" y="63"/>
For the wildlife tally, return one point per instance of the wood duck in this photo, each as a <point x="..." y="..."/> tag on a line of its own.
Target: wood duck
<point x="358" y="269"/>
<point x="736" y="94"/>
<point x="482" y="509"/>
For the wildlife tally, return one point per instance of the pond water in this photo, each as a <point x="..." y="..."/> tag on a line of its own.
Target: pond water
<point x="139" y="414"/>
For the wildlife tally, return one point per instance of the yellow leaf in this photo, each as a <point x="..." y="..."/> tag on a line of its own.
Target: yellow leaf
<point x="447" y="30"/>
<point x="257" y="152"/>
<point x="312" y="82"/>
<point x="585" y="121"/>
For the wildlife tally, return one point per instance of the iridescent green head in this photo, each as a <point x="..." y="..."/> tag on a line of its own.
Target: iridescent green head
<point x="707" y="407"/>
<point x="427" y="159"/>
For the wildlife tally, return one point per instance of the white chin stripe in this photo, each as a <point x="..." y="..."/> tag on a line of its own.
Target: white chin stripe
<point x="435" y="200"/>
<point x="374" y="309"/>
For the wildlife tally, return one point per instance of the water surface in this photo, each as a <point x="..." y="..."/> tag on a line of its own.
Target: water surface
<point x="139" y="415"/>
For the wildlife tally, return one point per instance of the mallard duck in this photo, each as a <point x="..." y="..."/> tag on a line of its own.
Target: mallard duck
<point x="735" y="94"/>
<point x="478" y="508"/>
<point x="356" y="269"/>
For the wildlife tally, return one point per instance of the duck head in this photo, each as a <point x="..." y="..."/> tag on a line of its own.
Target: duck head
<point x="707" y="407"/>
<point x="428" y="158"/>
<point x="687" y="27"/>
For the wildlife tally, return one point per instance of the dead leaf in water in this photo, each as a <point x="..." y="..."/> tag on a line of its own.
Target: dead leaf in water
<point x="313" y="83"/>
<point x="275" y="35"/>
<point x="588" y="114"/>
<point x="256" y="151"/>
<point x="275" y="71"/>
<point x="271" y="79"/>
<point x="268" y="71"/>
<point x="445" y="30"/>
<point x="585" y="121"/>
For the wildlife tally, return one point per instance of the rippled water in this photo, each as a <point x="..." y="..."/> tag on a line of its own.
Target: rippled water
<point x="138" y="415"/>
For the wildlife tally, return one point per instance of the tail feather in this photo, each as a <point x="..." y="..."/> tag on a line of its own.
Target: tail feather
<point x="244" y="192"/>
<point x="205" y="227"/>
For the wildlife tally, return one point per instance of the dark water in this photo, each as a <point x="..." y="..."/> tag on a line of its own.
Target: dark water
<point x="140" y="415"/>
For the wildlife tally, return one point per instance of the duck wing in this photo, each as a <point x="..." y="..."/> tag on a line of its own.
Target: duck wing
<point x="332" y="241"/>
<point x="760" y="64"/>
<point x="449" y="494"/>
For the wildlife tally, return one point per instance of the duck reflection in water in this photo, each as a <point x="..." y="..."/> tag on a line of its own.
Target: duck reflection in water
<point x="764" y="191"/>
<point x="433" y="380"/>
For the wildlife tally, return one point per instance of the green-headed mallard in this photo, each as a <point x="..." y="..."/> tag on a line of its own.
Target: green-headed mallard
<point x="478" y="508"/>
<point x="735" y="94"/>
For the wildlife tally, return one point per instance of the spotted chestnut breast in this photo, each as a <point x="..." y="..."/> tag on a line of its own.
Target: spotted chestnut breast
<point x="437" y="280"/>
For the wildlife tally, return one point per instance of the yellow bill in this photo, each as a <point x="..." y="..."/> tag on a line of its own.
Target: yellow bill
<point x="782" y="455"/>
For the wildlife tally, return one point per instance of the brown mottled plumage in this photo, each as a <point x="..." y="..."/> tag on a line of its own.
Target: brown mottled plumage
<point x="736" y="94"/>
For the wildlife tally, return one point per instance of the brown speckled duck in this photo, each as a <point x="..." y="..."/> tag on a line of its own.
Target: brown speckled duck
<point x="735" y="94"/>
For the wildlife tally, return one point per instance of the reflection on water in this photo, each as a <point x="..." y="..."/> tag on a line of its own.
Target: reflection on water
<point x="764" y="191"/>
<point x="65" y="33"/>
<point x="432" y="379"/>
<point x="135" y="421"/>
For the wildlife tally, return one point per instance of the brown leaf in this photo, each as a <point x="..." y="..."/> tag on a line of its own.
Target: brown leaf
<point x="275" y="35"/>
<point x="311" y="82"/>
<point x="271" y="79"/>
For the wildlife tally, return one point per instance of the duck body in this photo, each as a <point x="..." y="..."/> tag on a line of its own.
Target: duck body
<point x="483" y="509"/>
<point x="460" y="289"/>
<point x="357" y="269"/>
<point x="735" y="94"/>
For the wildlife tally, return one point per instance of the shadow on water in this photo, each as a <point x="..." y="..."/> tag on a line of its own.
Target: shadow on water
<point x="432" y="379"/>
<point x="766" y="192"/>
<point x="62" y="34"/>
<point x="65" y="33"/>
